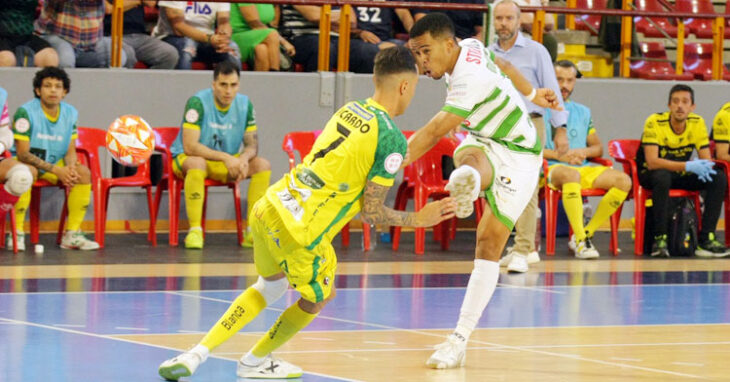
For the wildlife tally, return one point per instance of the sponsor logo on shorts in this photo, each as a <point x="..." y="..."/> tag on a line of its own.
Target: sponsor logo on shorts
<point x="505" y="180"/>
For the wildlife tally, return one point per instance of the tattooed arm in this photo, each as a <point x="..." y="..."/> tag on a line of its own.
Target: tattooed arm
<point x="250" y="146"/>
<point x="25" y="156"/>
<point x="374" y="210"/>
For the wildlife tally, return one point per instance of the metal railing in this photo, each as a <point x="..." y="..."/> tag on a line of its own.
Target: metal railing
<point x="626" y="14"/>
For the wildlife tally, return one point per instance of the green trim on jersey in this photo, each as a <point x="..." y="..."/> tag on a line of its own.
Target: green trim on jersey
<point x="194" y="103"/>
<point x="21" y="113"/>
<point x="508" y="124"/>
<point x="340" y="215"/>
<point x="463" y="113"/>
<point x="390" y="141"/>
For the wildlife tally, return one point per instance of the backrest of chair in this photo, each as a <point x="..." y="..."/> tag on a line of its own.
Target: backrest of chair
<point x="164" y="137"/>
<point x="653" y="49"/>
<point x="649" y="5"/>
<point x="87" y="145"/>
<point x="300" y="142"/>
<point x="623" y="149"/>
<point x="428" y="168"/>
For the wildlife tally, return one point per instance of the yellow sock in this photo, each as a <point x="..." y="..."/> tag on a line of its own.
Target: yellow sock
<point x="21" y="207"/>
<point x="573" y="205"/>
<point x="289" y="323"/>
<point x="78" y="202"/>
<point x="608" y="205"/>
<point x="246" y="307"/>
<point x="194" y="194"/>
<point x="257" y="188"/>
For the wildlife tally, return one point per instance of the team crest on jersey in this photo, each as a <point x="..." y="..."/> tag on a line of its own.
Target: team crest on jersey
<point x="191" y="116"/>
<point x="393" y="162"/>
<point x="22" y="125"/>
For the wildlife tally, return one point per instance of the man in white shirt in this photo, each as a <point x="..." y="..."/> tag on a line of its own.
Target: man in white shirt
<point x="190" y="27"/>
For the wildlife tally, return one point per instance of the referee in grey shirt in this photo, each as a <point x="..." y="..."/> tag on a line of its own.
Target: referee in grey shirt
<point x="533" y="61"/>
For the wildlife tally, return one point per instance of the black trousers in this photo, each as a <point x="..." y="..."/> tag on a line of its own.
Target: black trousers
<point x="362" y="54"/>
<point x="661" y="181"/>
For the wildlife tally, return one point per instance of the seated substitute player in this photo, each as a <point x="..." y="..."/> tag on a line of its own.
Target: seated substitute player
<point x="571" y="171"/>
<point x="45" y="138"/>
<point x="721" y="132"/>
<point x="500" y="157"/>
<point x="16" y="176"/>
<point x="664" y="162"/>
<point x="351" y="167"/>
<point x="218" y="140"/>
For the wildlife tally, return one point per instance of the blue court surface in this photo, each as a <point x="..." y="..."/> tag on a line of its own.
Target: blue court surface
<point x="85" y="335"/>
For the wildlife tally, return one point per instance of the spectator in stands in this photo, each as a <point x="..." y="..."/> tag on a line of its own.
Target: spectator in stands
<point x="16" y="35"/>
<point x="300" y="25"/>
<point x="468" y="23"/>
<point x="16" y="177"/>
<point x="571" y="172"/>
<point x="76" y="30"/>
<point x="526" y="21"/>
<point x="45" y="138"/>
<point x="218" y="140"/>
<point x="533" y="61"/>
<point x="375" y="25"/>
<point x="258" y="42"/>
<point x="152" y="52"/>
<point x="664" y="162"/>
<point x="721" y="134"/>
<point x="190" y="26"/>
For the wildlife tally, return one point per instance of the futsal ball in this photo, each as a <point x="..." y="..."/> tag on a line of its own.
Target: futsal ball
<point x="130" y="140"/>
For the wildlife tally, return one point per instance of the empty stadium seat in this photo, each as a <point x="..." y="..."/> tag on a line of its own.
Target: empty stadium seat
<point x="645" y="27"/>
<point x="698" y="61"/>
<point x="656" y="70"/>
<point x="589" y="23"/>
<point x="702" y="28"/>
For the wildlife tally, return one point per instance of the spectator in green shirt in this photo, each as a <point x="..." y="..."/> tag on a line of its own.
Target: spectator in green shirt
<point x="256" y="40"/>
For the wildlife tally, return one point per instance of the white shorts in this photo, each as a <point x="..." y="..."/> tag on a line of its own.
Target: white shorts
<point x="515" y="176"/>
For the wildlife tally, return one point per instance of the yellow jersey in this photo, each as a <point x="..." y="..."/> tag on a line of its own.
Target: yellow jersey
<point x="360" y="143"/>
<point x="672" y="146"/>
<point x="721" y="125"/>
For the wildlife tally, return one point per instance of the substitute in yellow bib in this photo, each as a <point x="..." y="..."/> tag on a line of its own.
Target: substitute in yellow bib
<point x="350" y="169"/>
<point x="571" y="172"/>
<point x="665" y="162"/>
<point x="218" y="140"/>
<point x="721" y="132"/>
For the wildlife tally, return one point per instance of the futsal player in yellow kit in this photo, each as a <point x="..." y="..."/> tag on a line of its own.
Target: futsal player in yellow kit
<point x="350" y="169"/>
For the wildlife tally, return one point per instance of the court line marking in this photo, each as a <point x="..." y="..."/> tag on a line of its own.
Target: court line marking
<point x="537" y="289"/>
<point x="547" y="353"/>
<point x="108" y="337"/>
<point x="70" y="325"/>
<point x="688" y="364"/>
<point x="130" y="328"/>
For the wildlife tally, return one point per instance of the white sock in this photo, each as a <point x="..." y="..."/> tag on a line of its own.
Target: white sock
<point x="201" y="351"/>
<point x="482" y="283"/>
<point x="251" y="360"/>
<point x="475" y="173"/>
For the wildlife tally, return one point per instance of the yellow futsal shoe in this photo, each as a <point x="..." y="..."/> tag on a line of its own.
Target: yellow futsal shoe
<point x="271" y="368"/>
<point x="247" y="239"/>
<point x="184" y="365"/>
<point x="194" y="238"/>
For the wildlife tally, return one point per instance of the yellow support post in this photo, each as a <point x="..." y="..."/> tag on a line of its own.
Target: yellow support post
<point x="343" y="47"/>
<point x="570" y="19"/>
<point x="624" y="68"/>
<point x="325" y="15"/>
<point x="680" y="46"/>
<point x="718" y="31"/>
<point x="538" y="26"/>
<point x="117" y="32"/>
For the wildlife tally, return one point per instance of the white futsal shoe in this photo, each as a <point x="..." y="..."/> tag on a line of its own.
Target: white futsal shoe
<point x="464" y="184"/>
<point x="449" y="354"/>
<point x="184" y="365"/>
<point x="271" y="368"/>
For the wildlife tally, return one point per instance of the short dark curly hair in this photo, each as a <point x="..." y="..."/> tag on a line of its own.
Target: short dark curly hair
<point x="51" y="72"/>
<point x="437" y="24"/>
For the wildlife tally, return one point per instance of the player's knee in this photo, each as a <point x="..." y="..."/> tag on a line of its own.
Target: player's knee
<point x="194" y="163"/>
<point x="623" y="182"/>
<point x="84" y="173"/>
<point x="261" y="164"/>
<point x="18" y="180"/>
<point x="271" y="290"/>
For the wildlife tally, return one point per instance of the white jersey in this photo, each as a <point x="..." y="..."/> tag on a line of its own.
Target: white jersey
<point x="199" y="14"/>
<point x="491" y="106"/>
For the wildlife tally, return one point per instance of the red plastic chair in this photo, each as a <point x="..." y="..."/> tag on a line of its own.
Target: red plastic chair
<point x="591" y="23"/>
<point x="422" y="180"/>
<point x="646" y="28"/>
<point x="624" y="151"/>
<point x="89" y="142"/>
<point x="702" y="28"/>
<point x="656" y="70"/>
<point x="164" y="137"/>
<point x="698" y="61"/>
<point x="301" y="142"/>
<point x="551" y="212"/>
<point x="726" y="168"/>
<point x="11" y="214"/>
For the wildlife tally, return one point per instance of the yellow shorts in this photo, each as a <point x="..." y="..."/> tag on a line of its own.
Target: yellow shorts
<point x="49" y="176"/>
<point x="216" y="169"/>
<point x="588" y="174"/>
<point x="310" y="272"/>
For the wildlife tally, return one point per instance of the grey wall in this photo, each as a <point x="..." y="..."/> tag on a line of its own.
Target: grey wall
<point x="299" y="101"/>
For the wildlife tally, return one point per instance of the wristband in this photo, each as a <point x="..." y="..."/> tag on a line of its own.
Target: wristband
<point x="532" y="95"/>
<point x="210" y="37"/>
